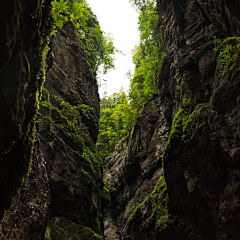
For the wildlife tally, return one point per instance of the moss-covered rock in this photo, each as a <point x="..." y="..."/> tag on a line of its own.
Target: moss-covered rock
<point x="28" y="215"/>
<point x="60" y="228"/>
<point x="68" y="126"/>
<point x="132" y="172"/>
<point x="201" y="159"/>
<point x="25" y="31"/>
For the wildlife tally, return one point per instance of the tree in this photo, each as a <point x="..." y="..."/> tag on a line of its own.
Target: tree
<point x="98" y="45"/>
<point x="147" y="56"/>
<point x="117" y="118"/>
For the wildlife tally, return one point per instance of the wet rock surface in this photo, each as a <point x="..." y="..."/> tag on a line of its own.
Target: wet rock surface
<point x="24" y="34"/>
<point x="28" y="215"/>
<point x="192" y="125"/>
<point x="63" y="196"/>
<point x="198" y="109"/>
<point x="201" y="163"/>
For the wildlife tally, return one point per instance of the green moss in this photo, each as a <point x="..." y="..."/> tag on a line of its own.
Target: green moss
<point x="50" y="144"/>
<point x="158" y="198"/>
<point x="229" y="51"/>
<point x="95" y="162"/>
<point x="96" y="225"/>
<point x="66" y="119"/>
<point x="159" y="205"/>
<point x="60" y="69"/>
<point x="106" y="187"/>
<point x="183" y="126"/>
<point x="76" y="93"/>
<point x="61" y="228"/>
<point x="47" y="234"/>
<point x="180" y="86"/>
<point x="137" y="209"/>
<point x="29" y="79"/>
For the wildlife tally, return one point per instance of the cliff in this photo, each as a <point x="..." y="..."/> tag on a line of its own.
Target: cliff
<point x="68" y="129"/>
<point x="134" y="176"/>
<point x="63" y="196"/>
<point x="27" y="217"/>
<point x="201" y="159"/>
<point x="25" y="29"/>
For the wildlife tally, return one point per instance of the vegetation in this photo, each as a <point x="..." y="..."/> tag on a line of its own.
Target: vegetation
<point x="62" y="228"/>
<point x="119" y="112"/>
<point x="147" y="56"/>
<point x="158" y="199"/>
<point x="117" y="118"/>
<point x="67" y="119"/>
<point x="137" y="210"/>
<point x="98" y="45"/>
<point x="47" y="234"/>
<point x="63" y="123"/>
<point x="229" y="51"/>
<point x="183" y="126"/>
<point x="159" y="205"/>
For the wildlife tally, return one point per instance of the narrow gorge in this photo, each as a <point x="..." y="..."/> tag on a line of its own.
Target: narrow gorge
<point x="172" y="172"/>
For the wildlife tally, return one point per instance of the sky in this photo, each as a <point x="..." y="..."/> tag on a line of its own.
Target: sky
<point x="119" y="18"/>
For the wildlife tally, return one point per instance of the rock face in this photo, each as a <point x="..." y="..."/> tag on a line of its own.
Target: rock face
<point x="24" y="31"/>
<point x="68" y="128"/>
<point x="132" y="172"/>
<point x="202" y="155"/>
<point x="62" y="198"/>
<point x="28" y="215"/>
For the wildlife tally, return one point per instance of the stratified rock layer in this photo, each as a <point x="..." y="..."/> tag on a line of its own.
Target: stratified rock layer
<point x="25" y="28"/>
<point x="202" y="156"/>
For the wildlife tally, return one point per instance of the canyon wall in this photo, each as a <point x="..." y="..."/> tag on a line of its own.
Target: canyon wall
<point x="68" y="129"/>
<point x="200" y="102"/>
<point x="134" y="176"/>
<point x="195" y="132"/>
<point x="27" y="217"/>
<point x="175" y="176"/>
<point x="25" y="28"/>
<point x="64" y="194"/>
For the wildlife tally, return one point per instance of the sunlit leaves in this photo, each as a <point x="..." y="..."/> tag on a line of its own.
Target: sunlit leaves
<point x="98" y="45"/>
<point x="59" y="7"/>
<point x="147" y="56"/>
<point x="117" y="119"/>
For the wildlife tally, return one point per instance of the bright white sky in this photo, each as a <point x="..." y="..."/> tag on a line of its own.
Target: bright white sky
<point x="120" y="19"/>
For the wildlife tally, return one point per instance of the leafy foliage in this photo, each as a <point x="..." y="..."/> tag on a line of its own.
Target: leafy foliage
<point x="59" y="7"/>
<point x="117" y="119"/>
<point x="229" y="50"/>
<point x="97" y="44"/>
<point x="147" y="56"/>
<point x="138" y="4"/>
